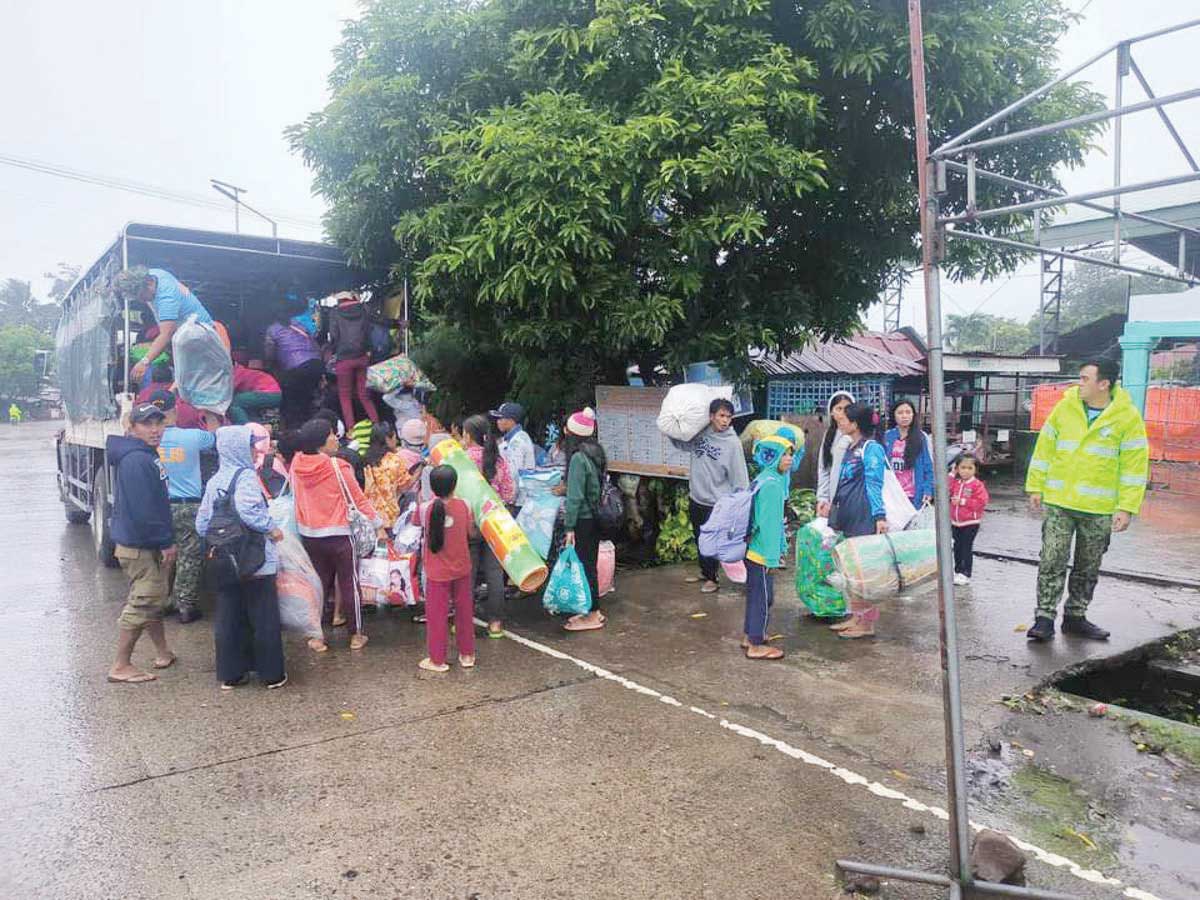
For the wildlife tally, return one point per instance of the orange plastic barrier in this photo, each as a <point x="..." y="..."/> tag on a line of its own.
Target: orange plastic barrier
<point x="1172" y="418"/>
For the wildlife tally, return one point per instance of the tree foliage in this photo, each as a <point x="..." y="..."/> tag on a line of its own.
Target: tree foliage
<point x="19" y="375"/>
<point x="987" y="333"/>
<point x="586" y="184"/>
<point x="1093" y="292"/>
<point x="19" y="307"/>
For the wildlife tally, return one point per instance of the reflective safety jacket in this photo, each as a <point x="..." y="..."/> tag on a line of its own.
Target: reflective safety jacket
<point x="1099" y="468"/>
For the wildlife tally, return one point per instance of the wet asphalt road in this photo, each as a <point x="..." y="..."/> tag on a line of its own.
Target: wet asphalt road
<point x="528" y="777"/>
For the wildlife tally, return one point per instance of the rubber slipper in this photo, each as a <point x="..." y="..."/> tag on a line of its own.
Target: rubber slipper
<point x="692" y="579"/>
<point x="137" y="678"/>
<point x="585" y="626"/>
<point x="338" y="623"/>
<point x="167" y="664"/>
<point x="772" y="653"/>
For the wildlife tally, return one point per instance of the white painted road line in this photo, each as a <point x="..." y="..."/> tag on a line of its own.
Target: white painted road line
<point x="811" y="759"/>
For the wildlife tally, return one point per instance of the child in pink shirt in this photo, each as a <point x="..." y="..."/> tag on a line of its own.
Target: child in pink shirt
<point x="448" y="527"/>
<point x="968" y="500"/>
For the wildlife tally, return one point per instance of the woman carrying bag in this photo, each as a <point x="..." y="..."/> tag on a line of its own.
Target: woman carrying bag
<point x="481" y="445"/>
<point x="857" y="509"/>
<point x="585" y="470"/>
<point x="334" y="517"/>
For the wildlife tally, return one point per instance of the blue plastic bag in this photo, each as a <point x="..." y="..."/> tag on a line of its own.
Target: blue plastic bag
<point x="567" y="591"/>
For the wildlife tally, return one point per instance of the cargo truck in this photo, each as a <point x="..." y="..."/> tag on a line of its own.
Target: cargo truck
<point x="239" y="278"/>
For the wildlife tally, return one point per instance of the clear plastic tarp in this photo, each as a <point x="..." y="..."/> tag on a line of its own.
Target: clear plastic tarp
<point x="86" y="342"/>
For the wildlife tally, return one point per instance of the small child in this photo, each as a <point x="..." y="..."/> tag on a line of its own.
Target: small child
<point x="448" y="527"/>
<point x="777" y="455"/>
<point x="968" y="499"/>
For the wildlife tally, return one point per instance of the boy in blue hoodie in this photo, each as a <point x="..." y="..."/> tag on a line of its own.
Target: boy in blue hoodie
<point x="777" y="456"/>
<point x="145" y="540"/>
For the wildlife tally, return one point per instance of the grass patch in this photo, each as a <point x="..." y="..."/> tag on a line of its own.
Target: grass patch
<point x="1061" y="819"/>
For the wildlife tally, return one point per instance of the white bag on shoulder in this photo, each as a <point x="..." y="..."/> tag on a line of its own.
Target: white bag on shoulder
<point x="898" y="507"/>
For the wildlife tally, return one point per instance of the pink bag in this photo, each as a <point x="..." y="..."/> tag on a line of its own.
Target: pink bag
<point x="606" y="567"/>
<point x="735" y="571"/>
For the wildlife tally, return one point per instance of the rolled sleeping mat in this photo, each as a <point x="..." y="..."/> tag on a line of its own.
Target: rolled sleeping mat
<point x="517" y="557"/>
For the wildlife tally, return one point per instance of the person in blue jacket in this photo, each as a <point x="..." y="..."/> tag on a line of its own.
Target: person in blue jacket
<point x="908" y="454"/>
<point x="144" y="539"/>
<point x="778" y="455"/>
<point x="246" y="629"/>
<point x="857" y="509"/>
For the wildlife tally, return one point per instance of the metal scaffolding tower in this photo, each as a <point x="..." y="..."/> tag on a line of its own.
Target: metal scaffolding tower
<point x="893" y="294"/>
<point x="1050" y="307"/>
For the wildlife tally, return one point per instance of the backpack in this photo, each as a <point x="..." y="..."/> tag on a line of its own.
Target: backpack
<point x="610" y="514"/>
<point x="233" y="552"/>
<point x="726" y="534"/>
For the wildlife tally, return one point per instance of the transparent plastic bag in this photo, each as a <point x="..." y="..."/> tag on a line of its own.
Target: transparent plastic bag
<point x="925" y="518"/>
<point x="879" y="566"/>
<point x="203" y="369"/>
<point x="299" y="589"/>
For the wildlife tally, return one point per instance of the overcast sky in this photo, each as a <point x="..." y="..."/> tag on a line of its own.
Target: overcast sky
<point x="170" y="94"/>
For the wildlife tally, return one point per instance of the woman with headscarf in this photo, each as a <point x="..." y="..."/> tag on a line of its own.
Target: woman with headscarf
<point x="246" y="604"/>
<point x="586" y="466"/>
<point x="777" y="456"/>
<point x="480" y="443"/>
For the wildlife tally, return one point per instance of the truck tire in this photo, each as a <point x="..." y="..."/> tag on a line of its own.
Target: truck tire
<point x="75" y="515"/>
<point x="101" y="516"/>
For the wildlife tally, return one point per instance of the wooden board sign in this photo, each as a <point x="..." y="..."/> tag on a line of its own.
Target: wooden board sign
<point x="627" y="423"/>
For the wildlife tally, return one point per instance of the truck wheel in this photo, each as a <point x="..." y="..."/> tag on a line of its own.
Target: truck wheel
<point x="101" y="513"/>
<point x="75" y="515"/>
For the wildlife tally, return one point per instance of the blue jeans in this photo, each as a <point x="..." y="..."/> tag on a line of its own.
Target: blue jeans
<point x="760" y="597"/>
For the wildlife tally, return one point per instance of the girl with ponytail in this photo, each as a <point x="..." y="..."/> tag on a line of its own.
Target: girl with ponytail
<point x="449" y="527"/>
<point x="480" y="442"/>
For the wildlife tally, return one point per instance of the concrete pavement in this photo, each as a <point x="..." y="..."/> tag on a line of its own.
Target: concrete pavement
<point x="529" y="776"/>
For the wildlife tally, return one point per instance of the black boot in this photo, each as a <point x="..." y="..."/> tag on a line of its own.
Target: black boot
<point x="1080" y="626"/>
<point x="1042" y="630"/>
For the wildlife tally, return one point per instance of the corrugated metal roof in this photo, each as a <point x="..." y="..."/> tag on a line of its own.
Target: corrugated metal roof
<point x="894" y="343"/>
<point x="848" y="357"/>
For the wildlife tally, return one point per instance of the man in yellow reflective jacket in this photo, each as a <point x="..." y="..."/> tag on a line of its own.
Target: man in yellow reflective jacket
<point x="1088" y="473"/>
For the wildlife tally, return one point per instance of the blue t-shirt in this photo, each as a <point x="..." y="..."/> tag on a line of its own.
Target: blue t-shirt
<point x="173" y="302"/>
<point x="179" y="452"/>
<point x="1092" y="413"/>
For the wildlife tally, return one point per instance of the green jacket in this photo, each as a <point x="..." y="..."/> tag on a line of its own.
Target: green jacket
<point x="583" y="490"/>
<point x="1098" y="469"/>
<point x="768" y="542"/>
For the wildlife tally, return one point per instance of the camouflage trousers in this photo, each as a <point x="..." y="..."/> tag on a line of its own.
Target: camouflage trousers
<point x="185" y="583"/>
<point x="1092" y="533"/>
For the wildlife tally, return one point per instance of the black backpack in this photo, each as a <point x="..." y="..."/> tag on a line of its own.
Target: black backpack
<point x="233" y="552"/>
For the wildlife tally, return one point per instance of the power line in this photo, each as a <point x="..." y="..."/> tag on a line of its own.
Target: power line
<point x="134" y="187"/>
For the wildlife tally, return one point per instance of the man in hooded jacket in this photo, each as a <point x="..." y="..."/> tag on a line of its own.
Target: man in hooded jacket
<point x="718" y="468"/>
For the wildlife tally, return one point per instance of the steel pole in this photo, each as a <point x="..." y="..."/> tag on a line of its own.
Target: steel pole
<point x="1122" y="56"/>
<point x="404" y="290"/>
<point x="956" y="786"/>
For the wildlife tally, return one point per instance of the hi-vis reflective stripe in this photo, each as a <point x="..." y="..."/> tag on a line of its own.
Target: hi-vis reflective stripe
<point x="1049" y="430"/>
<point x="1135" y="444"/>
<point x="1110" y="452"/>
<point x="1067" y="444"/>
<point x="1042" y="465"/>
<point x="1055" y="484"/>
<point x="1089" y="491"/>
<point x="1133" y="480"/>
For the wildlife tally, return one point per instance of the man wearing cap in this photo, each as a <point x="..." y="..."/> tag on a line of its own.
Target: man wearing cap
<point x="516" y="446"/>
<point x="145" y="540"/>
<point x="171" y="302"/>
<point x="179" y="452"/>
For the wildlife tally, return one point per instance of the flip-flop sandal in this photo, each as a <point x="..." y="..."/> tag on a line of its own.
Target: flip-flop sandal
<point x="772" y="653"/>
<point x="317" y="646"/>
<point x="138" y="678"/>
<point x="855" y="635"/>
<point x="420" y="619"/>
<point x="590" y="626"/>
<point x="167" y="664"/>
<point x="338" y="623"/>
<point x="692" y="579"/>
<point x="842" y="626"/>
<point x="358" y="641"/>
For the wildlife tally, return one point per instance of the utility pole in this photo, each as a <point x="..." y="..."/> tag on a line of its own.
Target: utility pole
<point x="234" y="193"/>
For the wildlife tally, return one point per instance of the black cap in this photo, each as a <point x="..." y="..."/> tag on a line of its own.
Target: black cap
<point x="509" y="410"/>
<point x="146" y="412"/>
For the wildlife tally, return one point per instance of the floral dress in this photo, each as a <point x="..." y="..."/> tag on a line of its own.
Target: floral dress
<point x="385" y="483"/>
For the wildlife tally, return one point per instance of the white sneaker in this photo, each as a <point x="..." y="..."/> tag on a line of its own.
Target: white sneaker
<point x="960" y="578"/>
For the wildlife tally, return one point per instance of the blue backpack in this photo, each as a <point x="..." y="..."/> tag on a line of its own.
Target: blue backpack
<point x="726" y="534"/>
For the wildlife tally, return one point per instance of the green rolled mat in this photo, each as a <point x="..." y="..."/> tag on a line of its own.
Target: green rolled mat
<point x="878" y="566"/>
<point x="517" y="557"/>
